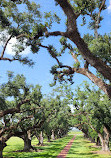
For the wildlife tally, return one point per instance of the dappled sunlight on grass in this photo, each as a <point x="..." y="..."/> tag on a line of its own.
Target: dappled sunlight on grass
<point x="49" y="150"/>
<point x="81" y="148"/>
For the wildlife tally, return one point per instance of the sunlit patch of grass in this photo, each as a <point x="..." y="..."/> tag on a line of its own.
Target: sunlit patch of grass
<point x="49" y="150"/>
<point x="82" y="148"/>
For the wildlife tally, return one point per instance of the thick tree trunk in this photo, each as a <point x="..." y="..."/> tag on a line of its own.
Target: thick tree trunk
<point x="27" y="141"/>
<point x="40" y="139"/>
<point x="1" y="153"/>
<point x="53" y="136"/>
<point x="104" y="140"/>
<point x="98" y="143"/>
<point x="73" y="34"/>
<point x="2" y="146"/>
<point x="48" y="137"/>
<point x="58" y="134"/>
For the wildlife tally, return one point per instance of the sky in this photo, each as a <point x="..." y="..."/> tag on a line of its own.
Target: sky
<point x="40" y="73"/>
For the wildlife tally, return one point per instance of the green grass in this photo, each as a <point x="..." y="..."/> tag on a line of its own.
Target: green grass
<point x="81" y="148"/>
<point x="50" y="150"/>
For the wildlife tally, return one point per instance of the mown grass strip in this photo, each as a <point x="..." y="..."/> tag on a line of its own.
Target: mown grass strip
<point x="49" y="150"/>
<point x="82" y="148"/>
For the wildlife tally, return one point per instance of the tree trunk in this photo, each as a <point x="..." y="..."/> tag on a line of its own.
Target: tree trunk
<point x="1" y="153"/>
<point x="48" y="137"/>
<point x="2" y="146"/>
<point x="86" y="135"/>
<point x="105" y="140"/>
<point x="98" y="143"/>
<point x="92" y="140"/>
<point x="52" y="136"/>
<point x="27" y="141"/>
<point x="58" y="134"/>
<point x="40" y="139"/>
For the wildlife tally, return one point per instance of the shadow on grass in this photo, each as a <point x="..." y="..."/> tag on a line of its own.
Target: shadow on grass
<point x="50" y="151"/>
<point x="33" y="155"/>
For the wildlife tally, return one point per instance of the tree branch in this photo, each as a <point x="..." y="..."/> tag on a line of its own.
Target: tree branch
<point x="2" y="54"/>
<point x="102" y="85"/>
<point x="14" y="127"/>
<point x="98" y="17"/>
<point x="71" y="16"/>
<point x="1" y="58"/>
<point x="74" y="57"/>
<point x="13" y="110"/>
<point x="74" y="36"/>
<point x="83" y="112"/>
<point x="56" y="33"/>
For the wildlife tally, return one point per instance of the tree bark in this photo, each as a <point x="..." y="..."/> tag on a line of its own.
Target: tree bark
<point x="13" y="110"/>
<point x="2" y="146"/>
<point x="48" y="137"/>
<point x="98" y="143"/>
<point x="1" y="153"/>
<point x="74" y="36"/>
<point x="52" y="136"/>
<point x="104" y="140"/>
<point x="27" y="141"/>
<point x="40" y="139"/>
<point x="92" y="139"/>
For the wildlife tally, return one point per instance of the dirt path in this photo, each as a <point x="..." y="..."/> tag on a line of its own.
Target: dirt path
<point x="64" y="152"/>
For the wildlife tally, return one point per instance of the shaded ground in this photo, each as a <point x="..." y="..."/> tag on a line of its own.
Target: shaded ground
<point x="101" y="152"/>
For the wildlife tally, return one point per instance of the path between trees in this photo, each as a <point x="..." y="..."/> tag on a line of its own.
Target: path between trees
<point x="64" y="152"/>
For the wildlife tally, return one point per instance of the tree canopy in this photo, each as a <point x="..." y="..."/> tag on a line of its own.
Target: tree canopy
<point x="22" y="107"/>
<point x="92" y="114"/>
<point x="31" y="27"/>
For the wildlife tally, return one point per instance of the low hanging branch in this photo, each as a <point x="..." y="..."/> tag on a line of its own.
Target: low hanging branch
<point x="2" y="54"/>
<point x="14" y="127"/>
<point x="14" y="110"/>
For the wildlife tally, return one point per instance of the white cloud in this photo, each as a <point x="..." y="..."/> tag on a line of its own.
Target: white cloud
<point x="10" y="51"/>
<point x="109" y="7"/>
<point x="12" y="42"/>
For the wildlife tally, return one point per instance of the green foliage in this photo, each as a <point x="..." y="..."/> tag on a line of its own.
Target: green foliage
<point x="25" y="115"/>
<point x="52" y="51"/>
<point x="100" y="47"/>
<point x="90" y="8"/>
<point x="65" y="44"/>
<point x="95" y="107"/>
<point x="51" y="18"/>
<point x="57" y="112"/>
<point x="77" y="65"/>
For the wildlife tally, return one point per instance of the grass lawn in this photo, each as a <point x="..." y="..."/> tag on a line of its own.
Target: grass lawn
<point x="50" y="150"/>
<point x="81" y="148"/>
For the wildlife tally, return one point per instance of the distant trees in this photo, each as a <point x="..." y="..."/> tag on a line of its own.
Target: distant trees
<point x="92" y="115"/>
<point x="57" y="117"/>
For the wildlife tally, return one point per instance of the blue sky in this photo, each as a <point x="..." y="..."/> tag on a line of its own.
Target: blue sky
<point x="40" y="73"/>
